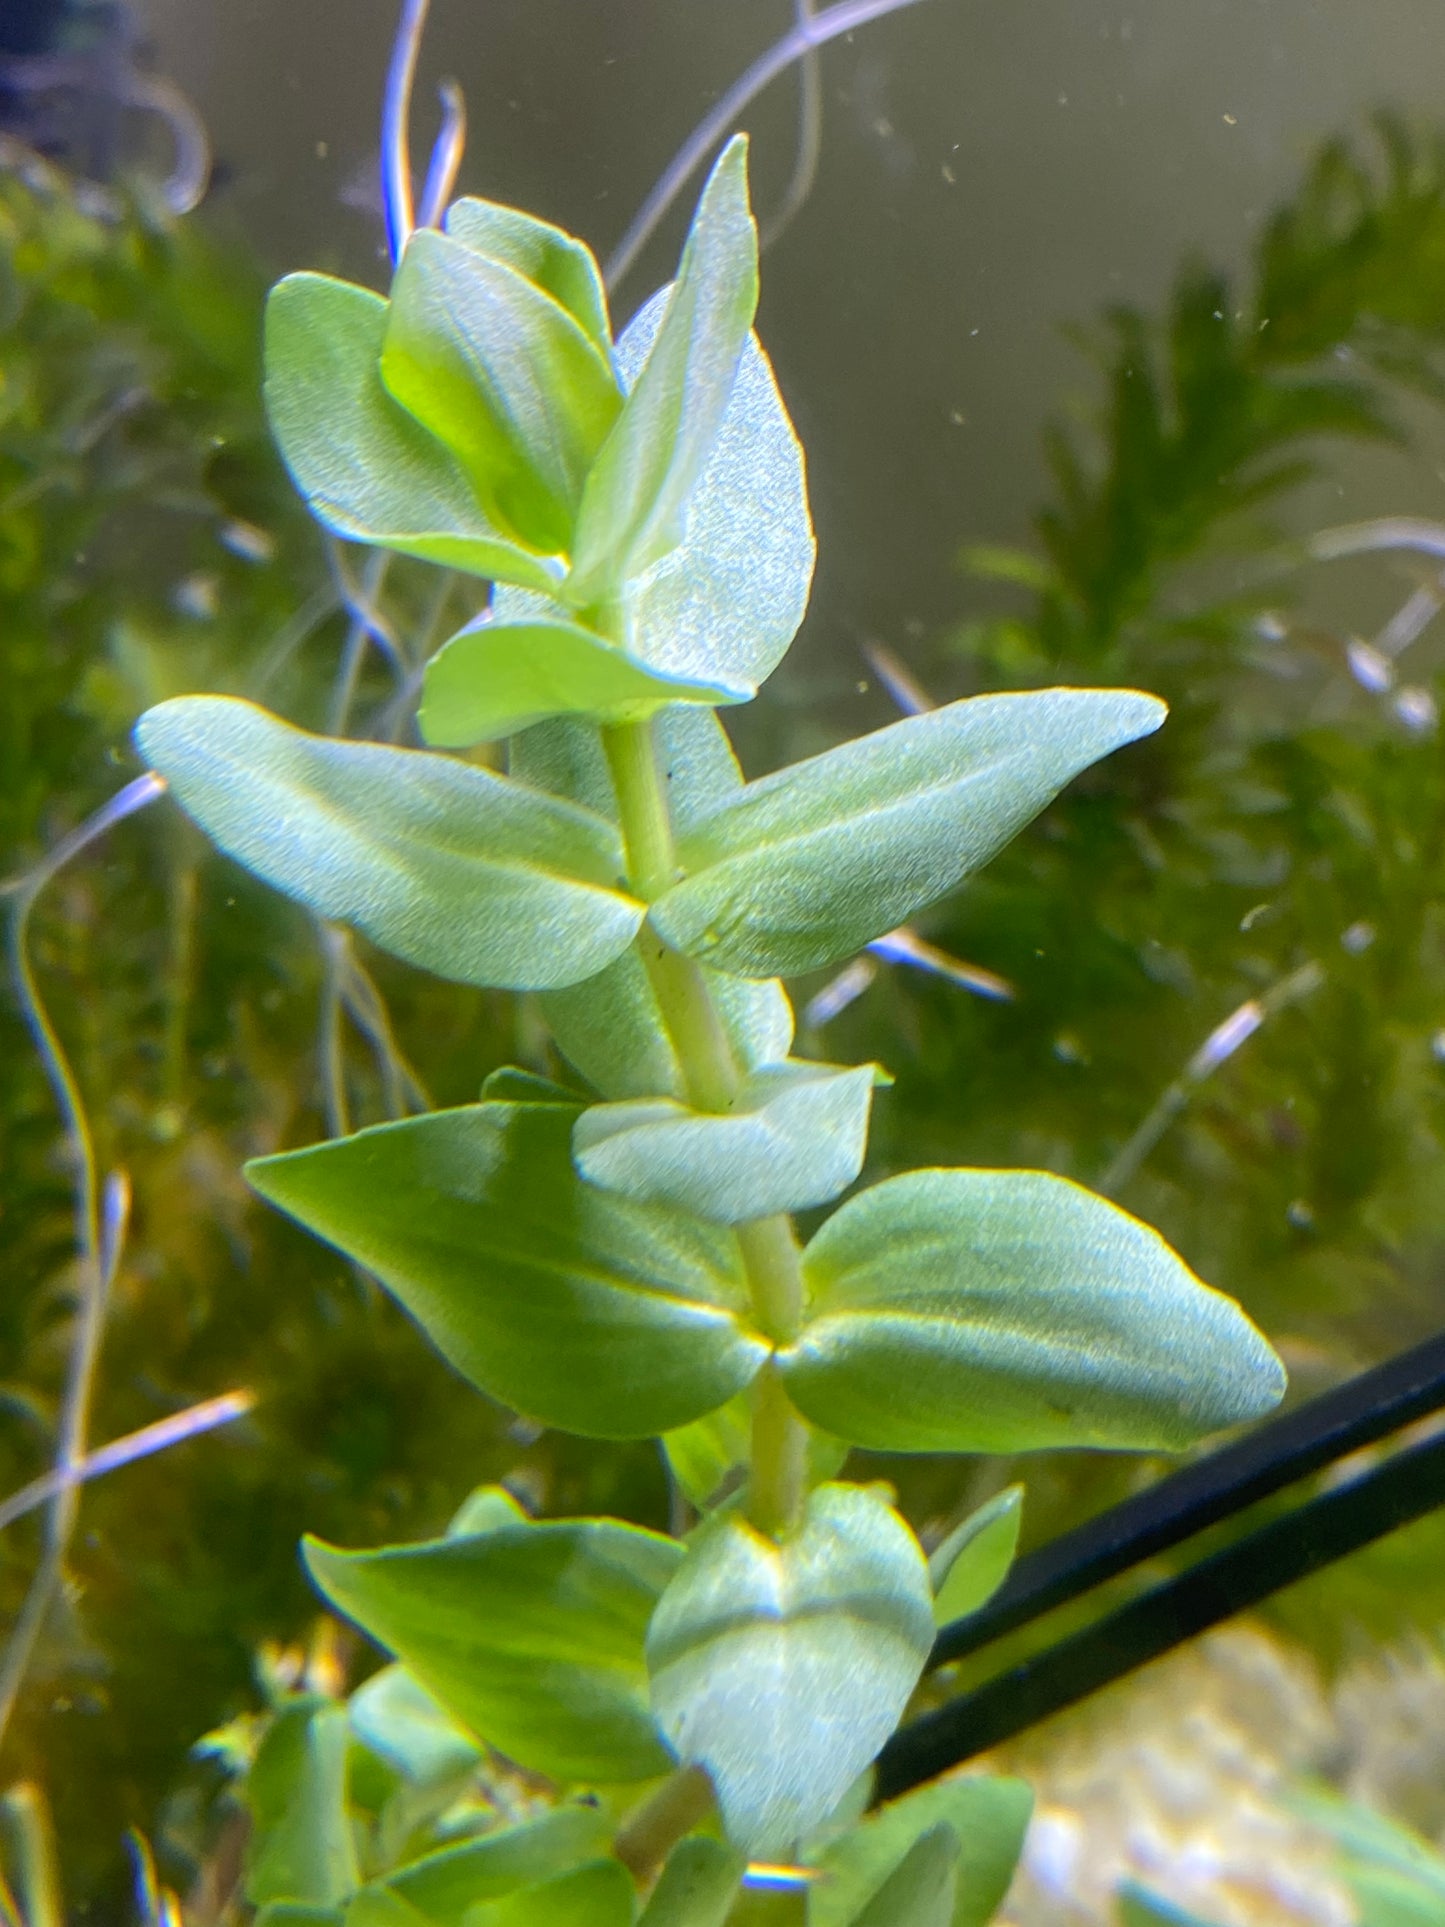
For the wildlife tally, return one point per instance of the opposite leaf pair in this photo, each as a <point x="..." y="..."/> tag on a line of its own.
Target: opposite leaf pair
<point x="594" y="1652"/>
<point x="965" y="1311"/>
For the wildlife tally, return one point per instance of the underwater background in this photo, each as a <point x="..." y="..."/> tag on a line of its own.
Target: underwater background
<point x="1092" y="318"/>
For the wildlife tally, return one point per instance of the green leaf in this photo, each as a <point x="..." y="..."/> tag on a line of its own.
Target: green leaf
<point x="505" y="378"/>
<point x="795" y="1137"/>
<point x="1140" y="1908"/>
<point x="989" y="1817"/>
<point x="443" y="1886"/>
<point x="635" y="498"/>
<point x="484" y="1509"/>
<point x="510" y="1084"/>
<point x="971" y="1564"/>
<point x="920" y="1890"/>
<point x="695" y="759"/>
<point x="808" y="865"/>
<point x="380" y="1907"/>
<point x="399" y="1719"/>
<point x="1009" y="1311"/>
<point x="598" y="1895"/>
<point x="368" y="471"/>
<point x="495" y="678"/>
<point x="301" y="1844"/>
<point x="554" y="261"/>
<point x="709" y="1456"/>
<point x="466" y="873"/>
<point x="782" y="1669"/>
<point x="530" y="1635"/>
<point x="726" y="602"/>
<point x="697" y="1886"/>
<point x="292" y="1913"/>
<point x="579" y="1308"/>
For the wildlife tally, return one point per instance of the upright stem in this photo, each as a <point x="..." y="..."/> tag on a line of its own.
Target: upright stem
<point x="777" y="1485"/>
<point x="649" y="1835"/>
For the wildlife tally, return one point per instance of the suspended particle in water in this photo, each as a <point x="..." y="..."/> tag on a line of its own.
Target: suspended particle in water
<point x="1370" y="668"/>
<point x="197" y="596"/>
<point x="1417" y="709"/>
<point x="246" y="541"/>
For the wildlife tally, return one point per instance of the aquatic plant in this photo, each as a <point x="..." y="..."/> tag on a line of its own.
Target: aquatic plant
<point x="616" y="1256"/>
<point x="199" y="1050"/>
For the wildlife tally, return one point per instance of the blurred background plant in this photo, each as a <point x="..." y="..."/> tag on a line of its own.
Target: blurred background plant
<point x="1213" y="983"/>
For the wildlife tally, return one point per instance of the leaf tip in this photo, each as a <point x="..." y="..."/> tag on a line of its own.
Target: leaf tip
<point x="322" y="1561"/>
<point x="1151" y="711"/>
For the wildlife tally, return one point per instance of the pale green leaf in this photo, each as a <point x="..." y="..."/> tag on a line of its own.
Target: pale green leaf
<point x="564" y="756"/>
<point x="709" y="1457"/>
<point x="558" y="264"/>
<point x="598" y="1895"/>
<point x="505" y="378"/>
<point x="380" y="1907"/>
<point x="921" y="1888"/>
<point x="726" y="602"/>
<point x="633" y="505"/>
<point x="442" y="1886"/>
<point x="694" y="755"/>
<point x="509" y="1084"/>
<point x="971" y="1564"/>
<point x="1009" y="1311"/>
<point x="806" y="866"/>
<point x="367" y="469"/>
<point x="466" y="873"/>
<point x="782" y="1669"/>
<point x="294" y="1913"/>
<point x="484" y="1509"/>
<point x="398" y="1719"/>
<point x="988" y="1816"/>
<point x="575" y="1306"/>
<point x="794" y="1137"/>
<point x="495" y="678"/>
<point x="697" y="1886"/>
<point x="531" y="1635"/>
<point x="301" y="1846"/>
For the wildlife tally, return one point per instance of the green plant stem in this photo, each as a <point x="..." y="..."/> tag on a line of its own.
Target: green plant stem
<point x="778" y="1485"/>
<point x="770" y="1253"/>
<point x="649" y="1834"/>
<point x="778" y="1479"/>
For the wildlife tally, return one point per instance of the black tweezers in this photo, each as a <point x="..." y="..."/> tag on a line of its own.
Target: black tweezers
<point x="1315" y="1534"/>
